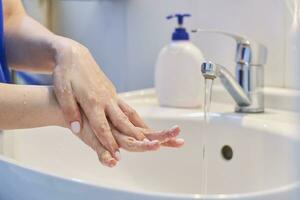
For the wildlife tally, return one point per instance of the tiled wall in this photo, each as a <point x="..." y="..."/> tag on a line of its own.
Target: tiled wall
<point x="125" y="36"/>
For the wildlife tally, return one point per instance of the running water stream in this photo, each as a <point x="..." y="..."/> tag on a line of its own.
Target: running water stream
<point x="207" y="101"/>
<point x="207" y="98"/>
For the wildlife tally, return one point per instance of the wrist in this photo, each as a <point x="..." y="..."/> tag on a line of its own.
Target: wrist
<point x="65" y="48"/>
<point x="56" y="116"/>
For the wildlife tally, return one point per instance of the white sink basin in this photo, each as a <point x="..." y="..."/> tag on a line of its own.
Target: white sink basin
<point x="51" y="163"/>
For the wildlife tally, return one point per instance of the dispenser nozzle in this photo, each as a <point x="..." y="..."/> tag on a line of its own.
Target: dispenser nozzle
<point x="180" y="17"/>
<point x="180" y="33"/>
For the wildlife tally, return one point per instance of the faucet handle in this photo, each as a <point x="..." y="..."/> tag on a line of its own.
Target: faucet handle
<point x="247" y="52"/>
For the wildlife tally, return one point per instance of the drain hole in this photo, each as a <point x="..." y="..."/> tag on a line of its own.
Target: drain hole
<point x="227" y="152"/>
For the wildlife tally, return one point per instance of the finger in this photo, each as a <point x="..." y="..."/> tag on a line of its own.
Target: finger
<point x="163" y="135"/>
<point x="133" y="145"/>
<point x="174" y="142"/>
<point x="133" y="116"/>
<point x="101" y="128"/>
<point x="68" y="104"/>
<point x="122" y="123"/>
<point x="106" y="159"/>
<point x="88" y="137"/>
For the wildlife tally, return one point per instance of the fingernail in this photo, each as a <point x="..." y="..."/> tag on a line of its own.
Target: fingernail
<point x="174" y="127"/>
<point x="146" y="140"/>
<point x="153" y="142"/>
<point x="111" y="163"/>
<point x="180" y="141"/>
<point x="75" y="127"/>
<point x="118" y="155"/>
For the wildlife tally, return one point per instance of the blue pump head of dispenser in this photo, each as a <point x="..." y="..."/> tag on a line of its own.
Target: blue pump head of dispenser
<point x="180" y="32"/>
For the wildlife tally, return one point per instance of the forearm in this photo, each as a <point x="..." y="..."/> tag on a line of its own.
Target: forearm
<point x="28" y="106"/>
<point x="29" y="45"/>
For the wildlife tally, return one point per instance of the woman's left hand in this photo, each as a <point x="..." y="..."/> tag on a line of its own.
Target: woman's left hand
<point x="152" y="143"/>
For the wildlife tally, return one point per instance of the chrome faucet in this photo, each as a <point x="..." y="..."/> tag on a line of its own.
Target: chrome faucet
<point x="247" y="88"/>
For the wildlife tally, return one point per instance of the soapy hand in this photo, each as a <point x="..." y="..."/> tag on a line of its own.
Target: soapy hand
<point x="79" y="84"/>
<point x="152" y="142"/>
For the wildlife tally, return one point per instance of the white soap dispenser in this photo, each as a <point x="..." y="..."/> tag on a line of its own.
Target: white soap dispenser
<point x="178" y="79"/>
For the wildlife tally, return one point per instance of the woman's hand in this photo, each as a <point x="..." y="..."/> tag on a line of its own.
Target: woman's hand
<point x="166" y="137"/>
<point x="79" y="83"/>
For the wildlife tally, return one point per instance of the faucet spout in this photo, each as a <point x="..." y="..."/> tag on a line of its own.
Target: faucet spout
<point x="211" y="70"/>
<point x="247" y="86"/>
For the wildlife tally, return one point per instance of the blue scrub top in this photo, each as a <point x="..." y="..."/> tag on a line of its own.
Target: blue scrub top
<point x="4" y="71"/>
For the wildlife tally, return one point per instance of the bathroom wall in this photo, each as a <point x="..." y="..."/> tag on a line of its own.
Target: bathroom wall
<point x="125" y="36"/>
<point x="292" y="17"/>
<point x="39" y="10"/>
<point x="100" y="25"/>
<point x="268" y="21"/>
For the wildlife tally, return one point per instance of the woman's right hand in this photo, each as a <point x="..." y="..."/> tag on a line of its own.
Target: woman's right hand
<point x="154" y="140"/>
